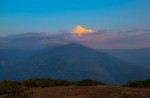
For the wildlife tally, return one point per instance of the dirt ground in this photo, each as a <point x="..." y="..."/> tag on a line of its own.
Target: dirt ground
<point x="89" y="92"/>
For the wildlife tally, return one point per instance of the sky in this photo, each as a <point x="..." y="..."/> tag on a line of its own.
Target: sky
<point x="119" y="18"/>
<point x="21" y="16"/>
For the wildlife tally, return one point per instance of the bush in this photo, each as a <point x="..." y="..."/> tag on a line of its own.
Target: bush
<point x="12" y="89"/>
<point x="63" y="83"/>
<point x="16" y="88"/>
<point x="146" y="83"/>
<point x="136" y="83"/>
<point x="39" y="82"/>
<point x="43" y="82"/>
<point x="89" y="83"/>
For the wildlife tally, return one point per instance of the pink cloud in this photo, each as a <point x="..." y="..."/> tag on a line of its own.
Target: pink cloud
<point x="98" y="39"/>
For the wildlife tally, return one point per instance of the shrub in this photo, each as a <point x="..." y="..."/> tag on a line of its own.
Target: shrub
<point x="146" y="83"/>
<point x="89" y="83"/>
<point x="63" y="83"/>
<point x="136" y="83"/>
<point x="12" y="89"/>
<point x="39" y="82"/>
<point x="43" y="82"/>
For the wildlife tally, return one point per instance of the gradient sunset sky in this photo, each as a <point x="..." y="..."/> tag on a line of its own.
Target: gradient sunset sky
<point x="21" y="16"/>
<point x="94" y="23"/>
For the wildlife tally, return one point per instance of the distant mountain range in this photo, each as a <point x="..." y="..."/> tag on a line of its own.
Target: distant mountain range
<point x="71" y="62"/>
<point x="136" y="56"/>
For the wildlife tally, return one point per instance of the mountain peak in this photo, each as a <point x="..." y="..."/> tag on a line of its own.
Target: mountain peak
<point x="74" y="45"/>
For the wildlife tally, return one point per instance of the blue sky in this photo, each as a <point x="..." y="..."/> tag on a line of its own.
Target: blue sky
<point x="21" y="16"/>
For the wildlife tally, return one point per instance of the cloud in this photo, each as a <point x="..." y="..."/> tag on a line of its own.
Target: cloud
<point x="81" y="30"/>
<point x="102" y="39"/>
<point x="119" y="41"/>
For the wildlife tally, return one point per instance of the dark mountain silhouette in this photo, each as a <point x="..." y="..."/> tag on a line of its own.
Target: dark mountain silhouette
<point x="137" y="56"/>
<point x="76" y="62"/>
<point x="9" y="57"/>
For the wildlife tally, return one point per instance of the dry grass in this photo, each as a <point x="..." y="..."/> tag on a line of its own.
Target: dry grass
<point x="89" y="92"/>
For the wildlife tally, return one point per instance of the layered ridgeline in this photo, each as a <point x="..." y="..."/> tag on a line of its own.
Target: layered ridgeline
<point x="136" y="56"/>
<point x="77" y="62"/>
<point x="9" y="57"/>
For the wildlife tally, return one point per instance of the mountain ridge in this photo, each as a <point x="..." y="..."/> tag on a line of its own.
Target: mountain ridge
<point x="136" y="56"/>
<point x="76" y="62"/>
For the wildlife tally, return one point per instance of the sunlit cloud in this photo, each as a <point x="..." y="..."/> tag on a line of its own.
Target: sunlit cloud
<point x="81" y="30"/>
<point x="102" y="39"/>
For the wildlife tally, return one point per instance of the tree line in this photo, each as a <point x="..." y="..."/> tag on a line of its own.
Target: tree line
<point x="16" y="89"/>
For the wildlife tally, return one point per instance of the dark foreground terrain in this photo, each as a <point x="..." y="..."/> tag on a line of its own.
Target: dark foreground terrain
<point x="101" y="91"/>
<point x="89" y="92"/>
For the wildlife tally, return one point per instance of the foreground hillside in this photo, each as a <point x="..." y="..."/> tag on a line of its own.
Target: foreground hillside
<point x="51" y="88"/>
<point x="89" y="92"/>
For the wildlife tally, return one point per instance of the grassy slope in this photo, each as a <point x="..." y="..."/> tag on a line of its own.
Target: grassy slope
<point x="89" y="92"/>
